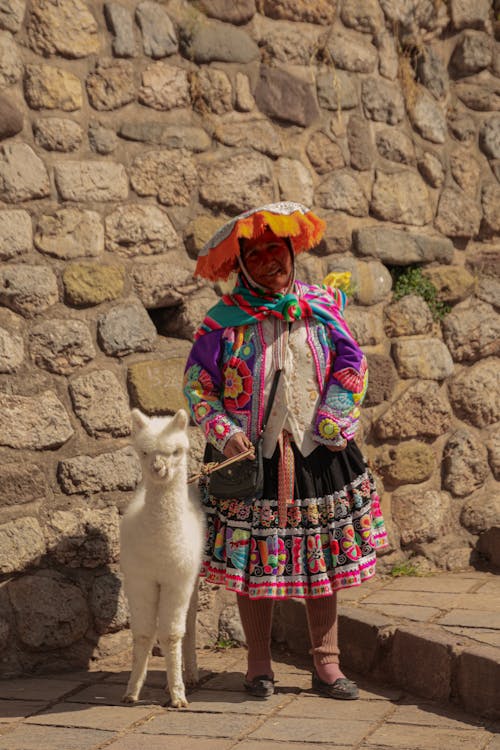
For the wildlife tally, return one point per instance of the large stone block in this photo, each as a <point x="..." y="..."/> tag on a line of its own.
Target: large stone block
<point x="101" y="404"/>
<point x="421" y="410"/>
<point x="478" y="678"/>
<point x="453" y="283"/>
<point x="401" y="197"/>
<point x="294" y="181"/>
<point x="155" y="386"/>
<point x="86" y="538"/>
<point x="465" y="463"/>
<point x="108" y="603"/>
<point x="12" y="14"/>
<point x="408" y="462"/>
<point x="21" y="483"/>
<point x="285" y="41"/>
<point x="382" y="101"/>
<point x="164" y="86"/>
<point x="46" y="87"/>
<point x="23" y="175"/>
<point x="16" y="233"/>
<point x="70" y="233"/>
<point x="427" y="116"/>
<point x="67" y="28"/>
<point x="57" y="134"/>
<point x="349" y="51"/>
<point x="481" y="511"/>
<point x="112" y="84"/>
<point x="382" y="379"/>
<point x="465" y="14"/>
<point x="231" y="11"/>
<point x="88" y="284"/>
<point x="88" y="181"/>
<point x="28" y="290"/>
<point x="397" y="248"/>
<point x="169" y="175"/>
<point x="427" y="358"/>
<point x="341" y="191"/>
<point x="474" y="393"/>
<point x="126" y="328"/>
<point x="420" y="514"/>
<point x="34" y="422"/>
<point x="21" y="544"/>
<point x="121" y="24"/>
<point x="423" y="662"/>
<point x="337" y="89"/>
<point x="363" y="15"/>
<point x="249" y="131"/>
<point x="472" y="333"/>
<point x="457" y="214"/>
<point x="283" y="96"/>
<point x="205" y="41"/>
<point x="211" y="91"/>
<point x="164" y="284"/>
<point x="158" y="33"/>
<point x="119" y="470"/>
<point x="408" y="316"/>
<point x="232" y="184"/>
<point x="11" y="350"/>
<point x="139" y="229"/>
<point x="188" y="137"/>
<point x="366" y="325"/>
<point x="51" y="611"/>
<point x="60" y="346"/>
<point x="321" y="11"/>
<point x="11" y="118"/>
<point x="11" y="63"/>
<point x="324" y="154"/>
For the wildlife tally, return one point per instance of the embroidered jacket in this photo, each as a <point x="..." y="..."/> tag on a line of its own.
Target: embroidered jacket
<point x="224" y="383"/>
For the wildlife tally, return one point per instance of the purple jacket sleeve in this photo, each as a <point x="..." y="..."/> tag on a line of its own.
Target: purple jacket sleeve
<point x="203" y="384"/>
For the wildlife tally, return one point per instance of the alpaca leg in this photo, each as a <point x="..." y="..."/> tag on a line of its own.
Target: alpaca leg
<point x="143" y="603"/>
<point x="171" y="629"/>
<point x="189" y="643"/>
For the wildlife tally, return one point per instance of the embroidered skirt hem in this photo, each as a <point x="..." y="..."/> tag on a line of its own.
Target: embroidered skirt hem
<point x="329" y="541"/>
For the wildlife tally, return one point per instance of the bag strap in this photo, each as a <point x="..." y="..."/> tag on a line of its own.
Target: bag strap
<point x="272" y="394"/>
<point x="270" y="400"/>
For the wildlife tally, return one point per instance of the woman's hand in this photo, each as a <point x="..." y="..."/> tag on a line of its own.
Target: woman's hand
<point x="336" y="448"/>
<point x="237" y="444"/>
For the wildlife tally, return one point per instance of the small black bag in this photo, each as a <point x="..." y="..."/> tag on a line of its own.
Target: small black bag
<point x="242" y="480"/>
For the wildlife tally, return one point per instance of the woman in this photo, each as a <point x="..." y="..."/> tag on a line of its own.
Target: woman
<point x="318" y="524"/>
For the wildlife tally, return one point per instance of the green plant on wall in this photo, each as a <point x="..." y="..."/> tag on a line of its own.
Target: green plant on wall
<point x="410" y="280"/>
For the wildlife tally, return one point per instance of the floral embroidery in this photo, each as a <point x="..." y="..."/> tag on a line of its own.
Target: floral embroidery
<point x="237" y="383"/>
<point x="201" y="410"/>
<point x="328" y="429"/>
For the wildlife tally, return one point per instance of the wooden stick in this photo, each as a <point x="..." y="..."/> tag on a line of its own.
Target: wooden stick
<point x="212" y="466"/>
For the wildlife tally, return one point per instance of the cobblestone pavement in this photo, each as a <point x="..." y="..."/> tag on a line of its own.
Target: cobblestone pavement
<point x="82" y="710"/>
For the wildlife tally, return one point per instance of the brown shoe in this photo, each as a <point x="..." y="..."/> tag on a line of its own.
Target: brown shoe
<point x="342" y="688"/>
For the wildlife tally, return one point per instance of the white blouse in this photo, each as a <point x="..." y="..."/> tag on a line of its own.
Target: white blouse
<point x="298" y="393"/>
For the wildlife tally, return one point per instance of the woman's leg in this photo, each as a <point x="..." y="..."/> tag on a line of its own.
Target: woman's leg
<point x="256" y="618"/>
<point x="323" y="631"/>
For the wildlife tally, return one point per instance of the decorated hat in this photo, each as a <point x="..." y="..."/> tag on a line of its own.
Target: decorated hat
<point x="218" y="257"/>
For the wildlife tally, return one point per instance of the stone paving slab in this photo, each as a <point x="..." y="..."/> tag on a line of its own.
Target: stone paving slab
<point x="13" y="710"/>
<point x="224" y="701"/>
<point x="163" y="742"/>
<point x="405" y="611"/>
<point x="410" y="737"/>
<point x="469" y="618"/>
<point x="483" y="635"/>
<point x="31" y="737"/>
<point x="37" y="688"/>
<point x="317" y="707"/>
<point x="273" y="745"/>
<point x="111" y="718"/>
<point x="203" y="724"/>
<point x="110" y="694"/>
<point x="318" y="730"/>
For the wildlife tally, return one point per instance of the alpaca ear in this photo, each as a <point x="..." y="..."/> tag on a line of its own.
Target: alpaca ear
<point x="139" y="420"/>
<point x="180" y="420"/>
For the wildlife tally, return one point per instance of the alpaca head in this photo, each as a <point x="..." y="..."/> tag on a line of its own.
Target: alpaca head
<point x="162" y="445"/>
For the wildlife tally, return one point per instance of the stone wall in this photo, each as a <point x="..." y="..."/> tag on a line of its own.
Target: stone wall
<point x="129" y="132"/>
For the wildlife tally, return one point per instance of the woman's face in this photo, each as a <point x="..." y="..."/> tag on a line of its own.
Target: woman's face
<point x="268" y="261"/>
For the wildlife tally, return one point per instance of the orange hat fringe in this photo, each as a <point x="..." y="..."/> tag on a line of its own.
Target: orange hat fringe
<point x="304" y="230"/>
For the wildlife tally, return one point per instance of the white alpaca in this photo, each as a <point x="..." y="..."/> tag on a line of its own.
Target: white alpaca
<point x="161" y="540"/>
